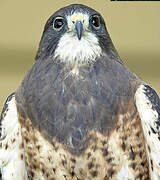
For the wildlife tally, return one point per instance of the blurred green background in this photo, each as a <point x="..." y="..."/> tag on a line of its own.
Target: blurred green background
<point x="133" y="26"/>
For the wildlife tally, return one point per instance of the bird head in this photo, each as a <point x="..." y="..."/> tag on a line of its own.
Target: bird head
<point x="75" y="34"/>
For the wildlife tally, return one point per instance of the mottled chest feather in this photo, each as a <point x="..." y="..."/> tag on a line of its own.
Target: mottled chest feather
<point x="120" y="155"/>
<point x="81" y="127"/>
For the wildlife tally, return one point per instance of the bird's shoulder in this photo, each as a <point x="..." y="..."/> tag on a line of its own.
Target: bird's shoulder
<point x="5" y="107"/>
<point x="148" y="106"/>
<point x="10" y="142"/>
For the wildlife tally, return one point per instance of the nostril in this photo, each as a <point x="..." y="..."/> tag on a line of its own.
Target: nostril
<point x="73" y="22"/>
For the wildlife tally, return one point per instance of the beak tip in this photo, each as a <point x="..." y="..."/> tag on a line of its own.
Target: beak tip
<point x="79" y="38"/>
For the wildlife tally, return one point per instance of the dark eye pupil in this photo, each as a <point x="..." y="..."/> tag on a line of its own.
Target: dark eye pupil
<point x="95" y="21"/>
<point x="58" y="23"/>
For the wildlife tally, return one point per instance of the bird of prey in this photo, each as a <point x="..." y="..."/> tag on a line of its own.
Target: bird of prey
<point x="80" y="113"/>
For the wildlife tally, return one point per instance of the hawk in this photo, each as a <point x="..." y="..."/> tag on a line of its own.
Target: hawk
<point x="80" y="113"/>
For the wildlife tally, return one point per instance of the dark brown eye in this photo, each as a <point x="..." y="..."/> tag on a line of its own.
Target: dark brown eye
<point x="58" y="23"/>
<point x="95" y="21"/>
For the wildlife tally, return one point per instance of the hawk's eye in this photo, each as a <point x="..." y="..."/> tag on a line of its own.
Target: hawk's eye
<point x="95" y="21"/>
<point x="58" y="23"/>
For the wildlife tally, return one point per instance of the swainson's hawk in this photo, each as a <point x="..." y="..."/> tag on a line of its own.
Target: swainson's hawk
<point x="80" y="113"/>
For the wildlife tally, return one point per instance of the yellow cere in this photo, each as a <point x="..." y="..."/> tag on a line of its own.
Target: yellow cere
<point x="78" y="16"/>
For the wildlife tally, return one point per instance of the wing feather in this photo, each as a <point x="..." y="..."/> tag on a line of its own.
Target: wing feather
<point x="148" y="106"/>
<point x="12" y="164"/>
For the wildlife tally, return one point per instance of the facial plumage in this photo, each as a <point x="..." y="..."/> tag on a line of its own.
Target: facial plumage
<point x="60" y="32"/>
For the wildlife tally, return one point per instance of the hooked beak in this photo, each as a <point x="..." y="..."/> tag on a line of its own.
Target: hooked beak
<point x="79" y="28"/>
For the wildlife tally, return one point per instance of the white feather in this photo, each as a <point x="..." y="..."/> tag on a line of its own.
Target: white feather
<point x="125" y="173"/>
<point x="77" y="52"/>
<point x="74" y="51"/>
<point x="148" y="119"/>
<point x="11" y="164"/>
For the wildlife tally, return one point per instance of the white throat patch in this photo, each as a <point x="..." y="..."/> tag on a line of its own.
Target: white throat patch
<point x="78" y="52"/>
<point x="74" y="51"/>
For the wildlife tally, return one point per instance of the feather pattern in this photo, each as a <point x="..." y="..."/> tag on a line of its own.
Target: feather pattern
<point x="70" y="120"/>
<point x="12" y="164"/>
<point x="148" y="105"/>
